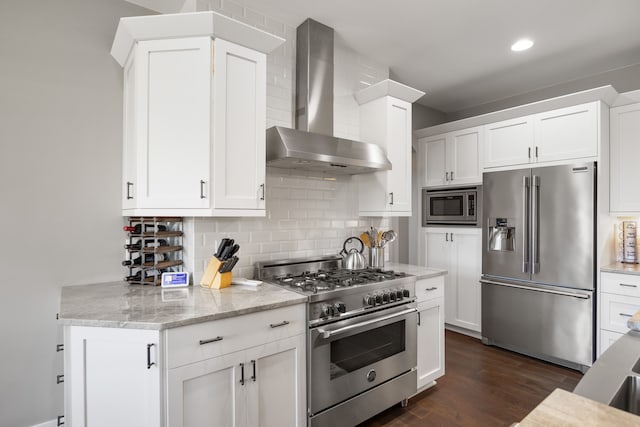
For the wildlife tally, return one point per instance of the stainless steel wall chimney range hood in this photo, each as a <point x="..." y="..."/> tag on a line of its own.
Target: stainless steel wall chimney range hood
<point x="312" y="146"/>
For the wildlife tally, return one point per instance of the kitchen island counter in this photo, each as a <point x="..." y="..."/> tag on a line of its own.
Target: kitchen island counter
<point x="120" y="305"/>
<point x="562" y="408"/>
<point x="415" y="270"/>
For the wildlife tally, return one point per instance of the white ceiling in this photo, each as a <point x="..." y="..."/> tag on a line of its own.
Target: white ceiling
<point x="458" y="51"/>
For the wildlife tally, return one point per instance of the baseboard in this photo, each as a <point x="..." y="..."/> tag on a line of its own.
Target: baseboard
<point x="52" y="423"/>
<point x="463" y="331"/>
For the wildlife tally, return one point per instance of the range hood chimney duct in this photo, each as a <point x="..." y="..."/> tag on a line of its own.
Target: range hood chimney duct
<point x="312" y="146"/>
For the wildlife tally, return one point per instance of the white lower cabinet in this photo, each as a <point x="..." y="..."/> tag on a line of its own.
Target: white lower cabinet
<point x="112" y="377"/>
<point x="457" y="250"/>
<point x="430" y="331"/>
<point x="619" y="300"/>
<point x="246" y="370"/>
<point x="261" y="386"/>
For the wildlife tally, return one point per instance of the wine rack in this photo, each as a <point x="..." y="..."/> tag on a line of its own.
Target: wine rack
<point x="154" y="246"/>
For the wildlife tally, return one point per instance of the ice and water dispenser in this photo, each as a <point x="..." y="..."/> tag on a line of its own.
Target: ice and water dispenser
<point x="502" y="237"/>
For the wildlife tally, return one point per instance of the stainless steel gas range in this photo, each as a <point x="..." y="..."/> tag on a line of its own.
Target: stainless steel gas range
<point x="361" y="337"/>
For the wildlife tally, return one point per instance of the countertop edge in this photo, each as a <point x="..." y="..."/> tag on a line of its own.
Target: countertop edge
<point x="416" y="270"/>
<point x="621" y="268"/>
<point x="178" y="323"/>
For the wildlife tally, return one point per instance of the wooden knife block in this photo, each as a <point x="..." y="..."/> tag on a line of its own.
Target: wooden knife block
<point x="212" y="278"/>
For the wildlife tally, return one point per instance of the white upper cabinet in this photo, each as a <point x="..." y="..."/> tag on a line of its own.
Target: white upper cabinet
<point x="625" y="152"/>
<point x="452" y="158"/>
<point x="385" y="120"/>
<point x="558" y="135"/>
<point x="194" y="115"/>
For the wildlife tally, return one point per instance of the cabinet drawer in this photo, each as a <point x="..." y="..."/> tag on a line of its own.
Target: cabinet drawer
<point x="616" y="310"/>
<point x="621" y="284"/>
<point x="189" y="344"/>
<point x="427" y="289"/>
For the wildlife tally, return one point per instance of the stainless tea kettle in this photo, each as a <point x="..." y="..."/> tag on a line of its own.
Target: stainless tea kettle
<point x="353" y="259"/>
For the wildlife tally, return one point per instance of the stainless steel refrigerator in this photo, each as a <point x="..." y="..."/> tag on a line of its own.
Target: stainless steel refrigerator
<point x="538" y="262"/>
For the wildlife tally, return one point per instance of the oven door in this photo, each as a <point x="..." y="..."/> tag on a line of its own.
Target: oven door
<point x="354" y="355"/>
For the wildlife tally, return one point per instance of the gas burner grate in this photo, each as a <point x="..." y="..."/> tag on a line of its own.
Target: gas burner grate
<point x="323" y="280"/>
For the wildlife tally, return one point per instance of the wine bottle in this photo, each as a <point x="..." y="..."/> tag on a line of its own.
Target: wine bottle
<point x="147" y="258"/>
<point x="144" y="244"/>
<point x="137" y="229"/>
<point x="142" y="276"/>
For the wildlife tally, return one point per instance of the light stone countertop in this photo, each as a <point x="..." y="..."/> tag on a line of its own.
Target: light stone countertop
<point x="416" y="270"/>
<point x="120" y="305"/>
<point x="565" y="409"/>
<point x="623" y="268"/>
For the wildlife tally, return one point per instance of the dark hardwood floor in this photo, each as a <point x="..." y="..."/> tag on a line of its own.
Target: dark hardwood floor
<point x="482" y="386"/>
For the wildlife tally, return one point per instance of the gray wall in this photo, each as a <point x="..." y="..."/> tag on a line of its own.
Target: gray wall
<point x="60" y="170"/>
<point x="623" y="80"/>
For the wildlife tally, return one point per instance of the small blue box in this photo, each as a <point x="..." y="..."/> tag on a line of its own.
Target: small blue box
<point x="175" y="279"/>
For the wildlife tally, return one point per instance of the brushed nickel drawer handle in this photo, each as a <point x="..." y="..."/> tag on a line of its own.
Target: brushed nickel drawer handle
<point x="283" y="323"/>
<point x="625" y="315"/>
<point x="431" y="289"/>
<point x="628" y="285"/>
<point x="202" y="342"/>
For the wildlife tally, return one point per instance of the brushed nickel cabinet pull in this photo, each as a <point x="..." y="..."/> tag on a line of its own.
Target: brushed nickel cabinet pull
<point x="216" y="339"/>
<point x="261" y="191"/>
<point x="431" y="289"/>
<point x="276" y="325"/>
<point x="129" y="185"/>
<point x="625" y="315"/>
<point x="628" y="285"/>
<point x="202" y="182"/>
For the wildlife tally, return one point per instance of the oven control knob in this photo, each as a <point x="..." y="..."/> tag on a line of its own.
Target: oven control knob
<point x="340" y="307"/>
<point x="399" y="294"/>
<point x="371" y="375"/>
<point x="327" y="310"/>
<point x="405" y="293"/>
<point x="369" y="300"/>
<point x="378" y="299"/>
<point x="385" y="297"/>
<point x="392" y="295"/>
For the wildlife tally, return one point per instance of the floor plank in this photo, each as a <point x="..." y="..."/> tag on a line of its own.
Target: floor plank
<point x="482" y="386"/>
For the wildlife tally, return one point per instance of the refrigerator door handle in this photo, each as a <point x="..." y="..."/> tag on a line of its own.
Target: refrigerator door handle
<point x="525" y="231"/>
<point x="531" y="288"/>
<point x="535" y="224"/>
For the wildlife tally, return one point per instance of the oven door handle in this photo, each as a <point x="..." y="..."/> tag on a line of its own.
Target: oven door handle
<point x="329" y="333"/>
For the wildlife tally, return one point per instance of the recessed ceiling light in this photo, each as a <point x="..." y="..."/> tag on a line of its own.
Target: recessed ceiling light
<point x="522" y="44"/>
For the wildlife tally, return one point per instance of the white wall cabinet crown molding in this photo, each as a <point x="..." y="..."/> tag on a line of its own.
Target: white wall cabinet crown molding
<point x="386" y="121"/>
<point x="194" y="117"/>
<point x="179" y="25"/>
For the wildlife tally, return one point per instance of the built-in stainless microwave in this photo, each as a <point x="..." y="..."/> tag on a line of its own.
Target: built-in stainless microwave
<point x="456" y="206"/>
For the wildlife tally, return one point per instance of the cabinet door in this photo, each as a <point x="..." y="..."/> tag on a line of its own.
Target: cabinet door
<point x="508" y="142"/>
<point x="433" y="161"/>
<point x="437" y="253"/>
<point x="173" y="138"/>
<point x="209" y="392"/>
<point x="399" y="154"/>
<point x="239" y="124"/>
<point x="463" y="156"/>
<point x="430" y="341"/>
<point x="129" y="128"/>
<point x="108" y="380"/>
<point x="567" y="133"/>
<point x="277" y="390"/>
<point x="465" y="272"/>
<point x="625" y="152"/>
